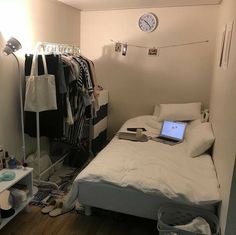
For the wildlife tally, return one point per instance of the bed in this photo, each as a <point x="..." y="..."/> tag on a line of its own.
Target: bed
<point x="136" y="178"/>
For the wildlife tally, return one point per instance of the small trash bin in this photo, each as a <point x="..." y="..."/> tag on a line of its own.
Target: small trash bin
<point x="172" y="215"/>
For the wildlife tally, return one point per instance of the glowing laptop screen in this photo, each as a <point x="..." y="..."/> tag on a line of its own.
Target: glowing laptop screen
<point x="173" y="130"/>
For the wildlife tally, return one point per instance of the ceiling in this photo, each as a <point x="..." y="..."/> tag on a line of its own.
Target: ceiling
<point x="90" y="5"/>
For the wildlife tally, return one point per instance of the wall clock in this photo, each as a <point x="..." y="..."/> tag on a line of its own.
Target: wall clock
<point x="148" y="22"/>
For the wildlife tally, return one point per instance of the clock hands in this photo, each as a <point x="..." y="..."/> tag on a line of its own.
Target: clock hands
<point x="147" y="23"/>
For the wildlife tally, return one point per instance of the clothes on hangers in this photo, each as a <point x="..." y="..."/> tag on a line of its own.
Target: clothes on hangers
<point x="81" y="98"/>
<point x="84" y="75"/>
<point x="93" y="76"/>
<point x="96" y="90"/>
<point x="77" y="93"/>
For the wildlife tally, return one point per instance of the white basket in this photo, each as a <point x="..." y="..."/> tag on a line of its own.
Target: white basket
<point x="172" y="215"/>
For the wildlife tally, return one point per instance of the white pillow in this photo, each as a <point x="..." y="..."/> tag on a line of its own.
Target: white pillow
<point x="156" y="110"/>
<point x="180" y="112"/>
<point x="193" y="124"/>
<point x="199" y="139"/>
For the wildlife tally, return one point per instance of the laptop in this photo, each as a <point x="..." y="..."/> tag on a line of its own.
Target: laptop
<point x="171" y="132"/>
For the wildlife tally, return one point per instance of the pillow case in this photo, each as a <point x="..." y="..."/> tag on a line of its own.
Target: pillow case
<point x="156" y="110"/>
<point x="180" y="112"/>
<point x="193" y="124"/>
<point x="199" y="139"/>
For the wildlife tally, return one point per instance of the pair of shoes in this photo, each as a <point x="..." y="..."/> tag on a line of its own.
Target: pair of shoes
<point x="60" y="210"/>
<point x="6" y="208"/>
<point x="51" y="206"/>
<point x="55" y="208"/>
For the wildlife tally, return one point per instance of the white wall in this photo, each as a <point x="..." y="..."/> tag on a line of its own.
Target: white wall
<point x="223" y="117"/>
<point x="137" y="82"/>
<point x="9" y="103"/>
<point x="231" y="225"/>
<point x="29" y="21"/>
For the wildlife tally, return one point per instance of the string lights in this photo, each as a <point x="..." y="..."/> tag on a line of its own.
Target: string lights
<point x="154" y="51"/>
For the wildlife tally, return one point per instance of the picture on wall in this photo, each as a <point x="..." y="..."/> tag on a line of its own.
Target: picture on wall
<point x="222" y="46"/>
<point x="225" y="45"/>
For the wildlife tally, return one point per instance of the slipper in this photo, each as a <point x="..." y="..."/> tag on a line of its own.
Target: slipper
<point x="60" y="210"/>
<point x="52" y="205"/>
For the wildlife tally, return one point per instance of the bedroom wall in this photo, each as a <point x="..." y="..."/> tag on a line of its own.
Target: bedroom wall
<point x="223" y="118"/>
<point x="137" y="82"/>
<point x="29" y="21"/>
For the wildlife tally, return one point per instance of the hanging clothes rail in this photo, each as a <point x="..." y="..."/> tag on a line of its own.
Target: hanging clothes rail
<point x="56" y="48"/>
<point x="60" y="48"/>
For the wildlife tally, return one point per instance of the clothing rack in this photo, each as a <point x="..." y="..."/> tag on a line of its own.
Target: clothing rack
<point x="58" y="49"/>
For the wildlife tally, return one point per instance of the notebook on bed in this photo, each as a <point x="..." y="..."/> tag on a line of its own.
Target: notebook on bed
<point x="171" y="132"/>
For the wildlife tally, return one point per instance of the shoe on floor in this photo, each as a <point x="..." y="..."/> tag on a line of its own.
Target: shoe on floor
<point x="60" y="210"/>
<point x="54" y="203"/>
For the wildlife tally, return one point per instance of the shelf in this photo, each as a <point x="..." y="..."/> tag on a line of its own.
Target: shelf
<point x="23" y="176"/>
<point x="20" y="174"/>
<point x="6" y="220"/>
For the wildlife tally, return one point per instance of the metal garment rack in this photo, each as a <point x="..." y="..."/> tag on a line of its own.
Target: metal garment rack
<point x="55" y="48"/>
<point x="59" y="48"/>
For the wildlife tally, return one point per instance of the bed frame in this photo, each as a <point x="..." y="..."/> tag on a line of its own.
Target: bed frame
<point x="128" y="200"/>
<point x="125" y="200"/>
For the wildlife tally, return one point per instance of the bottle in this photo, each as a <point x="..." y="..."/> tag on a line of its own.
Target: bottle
<point x="1" y="157"/>
<point x="12" y="164"/>
<point x="4" y="163"/>
<point x="6" y="159"/>
<point x="138" y="133"/>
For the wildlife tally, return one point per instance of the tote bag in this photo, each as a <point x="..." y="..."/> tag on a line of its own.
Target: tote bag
<point x="40" y="93"/>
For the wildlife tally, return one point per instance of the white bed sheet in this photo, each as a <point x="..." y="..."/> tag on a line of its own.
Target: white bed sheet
<point x="153" y="168"/>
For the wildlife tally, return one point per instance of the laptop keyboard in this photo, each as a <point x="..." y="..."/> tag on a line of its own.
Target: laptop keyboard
<point x="167" y="139"/>
<point x="164" y="141"/>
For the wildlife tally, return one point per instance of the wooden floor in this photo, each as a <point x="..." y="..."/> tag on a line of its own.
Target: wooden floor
<point x="100" y="223"/>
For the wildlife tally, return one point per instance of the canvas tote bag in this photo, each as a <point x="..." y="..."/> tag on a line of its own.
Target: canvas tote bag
<point x="40" y="94"/>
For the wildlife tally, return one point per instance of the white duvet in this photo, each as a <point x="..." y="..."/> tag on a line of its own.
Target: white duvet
<point x="153" y="168"/>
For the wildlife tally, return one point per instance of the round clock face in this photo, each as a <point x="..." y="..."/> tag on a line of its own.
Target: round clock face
<point x="148" y="22"/>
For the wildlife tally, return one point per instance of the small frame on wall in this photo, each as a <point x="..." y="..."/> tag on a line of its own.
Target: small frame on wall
<point x="225" y="45"/>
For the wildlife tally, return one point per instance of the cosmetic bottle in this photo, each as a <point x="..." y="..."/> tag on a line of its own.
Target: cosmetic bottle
<point x="4" y="163"/>
<point x="1" y="157"/>
<point x="6" y="159"/>
<point x="12" y="164"/>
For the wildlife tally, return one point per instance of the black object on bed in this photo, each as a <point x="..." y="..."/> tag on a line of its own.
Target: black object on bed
<point x="135" y="129"/>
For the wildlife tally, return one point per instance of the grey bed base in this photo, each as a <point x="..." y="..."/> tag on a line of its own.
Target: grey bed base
<point x="124" y="200"/>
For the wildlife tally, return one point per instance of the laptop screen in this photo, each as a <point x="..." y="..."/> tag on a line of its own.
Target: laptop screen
<point x="173" y="130"/>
